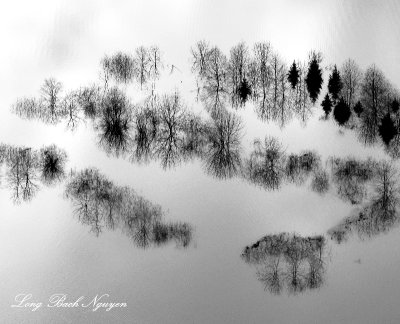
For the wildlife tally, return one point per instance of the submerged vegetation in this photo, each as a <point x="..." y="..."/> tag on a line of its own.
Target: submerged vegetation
<point x="26" y="168"/>
<point x="288" y="261"/>
<point x="101" y="205"/>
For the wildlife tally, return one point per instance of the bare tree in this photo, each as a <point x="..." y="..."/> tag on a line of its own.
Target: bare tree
<point x="222" y="151"/>
<point x="200" y="58"/>
<point x="262" y="58"/>
<point x="120" y="67"/>
<point x="115" y="122"/>
<point x="351" y="78"/>
<point x="156" y="62"/>
<point x="143" y="65"/>
<point x="50" y="101"/>
<point x="237" y="69"/>
<point x="374" y="92"/>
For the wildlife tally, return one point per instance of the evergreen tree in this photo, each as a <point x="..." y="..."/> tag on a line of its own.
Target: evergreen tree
<point x="327" y="105"/>
<point x="395" y="106"/>
<point x="341" y="112"/>
<point x="335" y="84"/>
<point x="293" y="75"/>
<point x="314" y="78"/>
<point x="387" y="129"/>
<point x="358" y="108"/>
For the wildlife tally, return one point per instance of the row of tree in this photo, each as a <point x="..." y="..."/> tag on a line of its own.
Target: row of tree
<point x="288" y="261"/>
<point x="380" y="214"/>
<point x="367" y="95"/>
<point x="26" y="168"/>
<point x="143" y="66"/>
<point x="258" y="74"/>
<point x="100" y="204"/>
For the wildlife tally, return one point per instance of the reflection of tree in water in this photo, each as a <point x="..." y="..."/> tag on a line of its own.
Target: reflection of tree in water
<point x="265" y="167"/>
<point x="48" y="107"/>
<point x="170" y="135"/>
<point x="52" y="164"/>
<point x="351" y="177"/>
<point x="259" y="75"/>
<point x="101" y="204"/>
<point x="377" y="216"/>
<point x="222" y="151"/>
<point x="115" y="122"/>
<point x="25" y="168"/>
<point x="288" y="260"/>
<point x="146" y="124"/>
<point x="298" y="167"/>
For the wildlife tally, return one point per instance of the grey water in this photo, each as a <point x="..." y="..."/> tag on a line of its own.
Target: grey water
<point x="49" y="248"/>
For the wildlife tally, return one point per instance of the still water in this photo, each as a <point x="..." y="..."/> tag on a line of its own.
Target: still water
<point x="48" y="248"/>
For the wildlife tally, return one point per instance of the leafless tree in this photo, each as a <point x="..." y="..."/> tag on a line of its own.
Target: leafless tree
<point x="143" y="65"/>
<point x="351" y="78"/>
<point x="265" y="167"/>
<point x="200" y="58"/>
<point x="237" y="69"/>
<point x="120" y="67"/>
<point x="156" y="62"/>
<point x="222" y="152"/>
<point x="115" y="122"/>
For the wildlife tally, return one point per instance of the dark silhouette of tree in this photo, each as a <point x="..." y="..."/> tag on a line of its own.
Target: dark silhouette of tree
<point x="351" y="177"/>
<point x="301" y="99"/>
<point x="327" y="105"/>
<point x="21" y="173"/>
<point x="288" y="261"/>
<point x="320" y="181"/>
<point x="119" y="66"/>
<point x="101" y="204"/>
<point x="293" y="75"/>
<point x="200" y="58"/>
<point x="222" y="151"/>
<point x="341" y="112"/>
<point x="244" y="91"/>
<point x="335" y="84"/>
<point x="358" y="108"/>
<point x="387" y="129"/>
<point x="314" y="78"/>
<point x="379" y="215"/>
<point x="265" y="166"/>
<point x="88" y="98"/>
<point x="395" y="106"/>
<point x="262" y="76"/>
<point x="351" y="77"/>
<point x="146" y="123"/>
<point x="52" y="162"/>
<point x="115" y="122"/>
<point x="237" y="70"/>
<point x="26" y="167"/>
<point x="216" y="72"/>
<point x="299" y="166"/>
<point x="170" y="135"/>
<point x="374" y="94"/>
<point x="143" y="65"/>
<point x="156" y="64"/>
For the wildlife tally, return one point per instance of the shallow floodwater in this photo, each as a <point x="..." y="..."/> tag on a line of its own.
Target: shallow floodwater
<point x="46" y="250"/>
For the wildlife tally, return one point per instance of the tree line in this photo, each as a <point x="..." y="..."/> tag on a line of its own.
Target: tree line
<point x="26" y="168"/>
<point x="100" y="204"/>
<point x="288" y="261"/>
